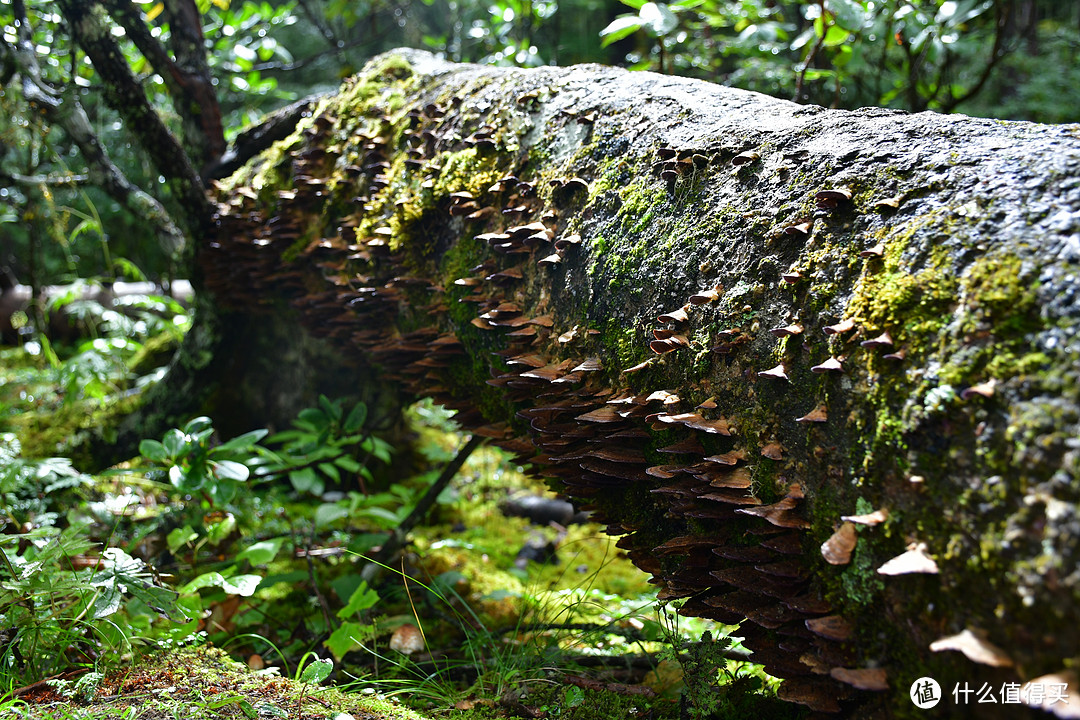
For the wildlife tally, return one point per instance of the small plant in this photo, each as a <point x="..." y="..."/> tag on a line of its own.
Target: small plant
<point x="323" y="443"/>
<point x="60" y="600"/>
<point x="712" y="687"/>
<point x="193" y="465"/>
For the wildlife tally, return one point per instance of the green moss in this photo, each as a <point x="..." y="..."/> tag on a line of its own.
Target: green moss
<point x="76" y="425"/>
<point x="469" y="170"/>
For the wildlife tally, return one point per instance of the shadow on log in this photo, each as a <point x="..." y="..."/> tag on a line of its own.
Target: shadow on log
<point x="817" y="368"/>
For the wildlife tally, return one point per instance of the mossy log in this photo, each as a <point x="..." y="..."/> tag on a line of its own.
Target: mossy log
<point x="772" y="346"/>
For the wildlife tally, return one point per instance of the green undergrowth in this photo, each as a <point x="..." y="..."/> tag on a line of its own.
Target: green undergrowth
<point x="262" y="545"/>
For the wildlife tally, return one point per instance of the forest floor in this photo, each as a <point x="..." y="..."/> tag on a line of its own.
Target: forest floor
<point x="118" y="588"/>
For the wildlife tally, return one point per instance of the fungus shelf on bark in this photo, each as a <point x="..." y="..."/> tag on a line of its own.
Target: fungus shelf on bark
<point x="426" y="240"/>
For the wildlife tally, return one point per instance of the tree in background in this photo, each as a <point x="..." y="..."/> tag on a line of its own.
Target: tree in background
<point x="909" y="54"/>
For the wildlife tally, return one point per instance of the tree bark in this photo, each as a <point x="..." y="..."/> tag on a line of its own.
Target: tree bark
<point x="727" y="323"/>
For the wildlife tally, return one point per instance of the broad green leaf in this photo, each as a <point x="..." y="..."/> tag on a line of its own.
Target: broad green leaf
<point x="153" y="450"/>
<point x="620" y="27"/>
<point x="179" y="479"/>
<point x="160" y="599"/>
<point x="356" y="419"/>
<point x="850" y="14"/>
<point x="835" y="35"/>
<point x="261" y="552"/>
<point x="344" y="639"/>
<point x="242" y="442"/>
<point x="329" y="470"/>
<point x="243" y="585"/>
<point x="328" y="513"/>
<point x="179" y="537"/>
<point x="210" y="579"/>
<point x="175" y="443"/>
<point x="199" y="425"/>
<point x="347" y="463"/>
<point x="306" y="480"/>
<point x="108" y="602"/>
<point x="362" y="599"/>
<point x="229" y="470"/>
<point x="315" y="417"/>
<point x="332" y="409"/>
<point x="317" y="671"/>
<point x="238" y="585"/>
<point x="219" y="530"/>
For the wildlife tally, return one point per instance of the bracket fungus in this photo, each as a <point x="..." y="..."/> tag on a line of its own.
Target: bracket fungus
<point x="840" y="328"/>
<point x="833" y="364"/>
<point x="974" y="645"/>
<point x="838" y="548"/>
<point x="775" y="373"/>
<point x="915" y="560"/>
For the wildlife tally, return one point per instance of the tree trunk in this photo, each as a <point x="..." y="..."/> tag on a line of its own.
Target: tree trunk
<point x="726" y="322"/>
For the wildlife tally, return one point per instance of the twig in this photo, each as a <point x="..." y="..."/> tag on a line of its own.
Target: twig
<point x="397" y="537"/>
<point x="315" y="588"/>
<point x="45" y="681"/>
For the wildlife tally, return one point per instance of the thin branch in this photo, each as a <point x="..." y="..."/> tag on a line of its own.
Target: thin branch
<point x="63" y="109"/>
<point x="996" y="54"/>
<point x="397" y="538"/>
<point x="185" y="78"/>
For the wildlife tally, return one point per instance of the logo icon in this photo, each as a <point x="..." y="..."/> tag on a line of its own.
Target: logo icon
<point x="925" y="693"/>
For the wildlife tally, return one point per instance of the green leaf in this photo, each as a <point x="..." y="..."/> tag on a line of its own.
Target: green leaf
<point x="306" y="480"/>
<point x="238" y="585"/>
<point x="332" y="409"/>
<point x="175" y="443"/>
<point x="153" y="450"/>
<point x="347" y="463"/>
<point x="261" y="552"/>
<point x="850" y="14"/>
<point x="242" y="442"/>
<point x="229" y="470"/>
<point x="243" y="585"/>
<point x="356" y="419"/>
<point x="314" y="417"/>
<point x="620" y="27"/>
<point x="328" y="513"/>
<point x="210" y="579"/>
<point x="331" y="471"/>
<point x="317" y="671"/>
<point x="362" y="599"/>
<point x="345" y="638"/>
<point x="179" y="537"/>
<point x="218" y="531"/>
<point x="108" y="602"/>
<point x="835" y="35"/>
<point x="180" y="479"/>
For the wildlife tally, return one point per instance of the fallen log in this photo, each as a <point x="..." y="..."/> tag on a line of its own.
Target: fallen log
<point x="819" y="369"/>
